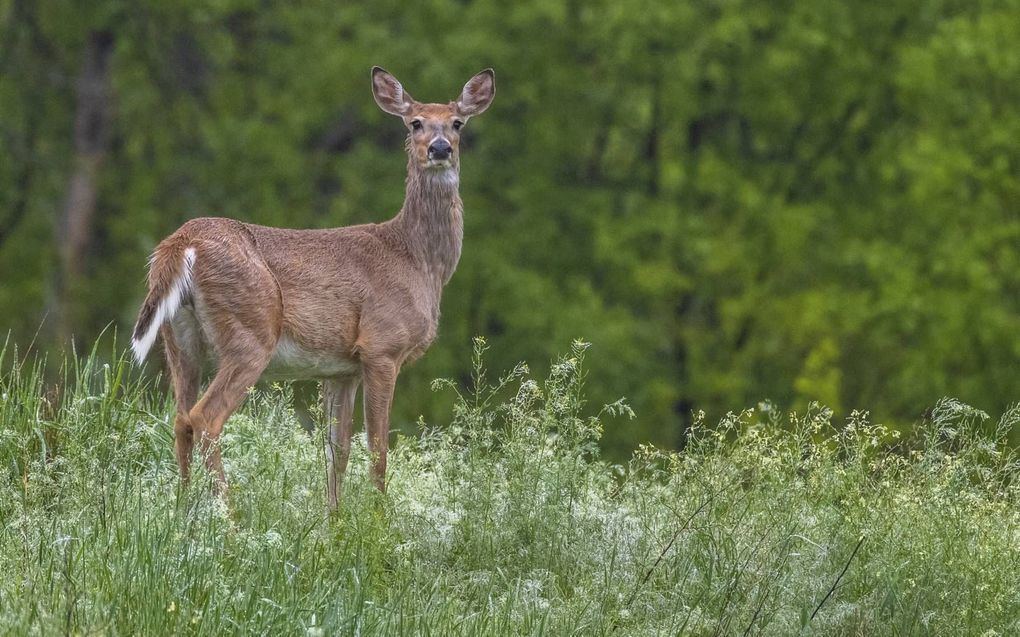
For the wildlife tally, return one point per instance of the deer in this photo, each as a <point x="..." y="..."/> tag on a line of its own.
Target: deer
<point x="347" y="306"/>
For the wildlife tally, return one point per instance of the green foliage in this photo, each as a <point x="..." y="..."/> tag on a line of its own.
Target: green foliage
<point x="503" y="521"/>
<point x="796" y="200"/>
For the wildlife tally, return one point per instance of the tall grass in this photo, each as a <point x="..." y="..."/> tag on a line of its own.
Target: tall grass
<point x="502" y="520"/>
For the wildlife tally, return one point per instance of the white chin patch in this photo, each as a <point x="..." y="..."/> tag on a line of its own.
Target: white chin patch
<point x="442" y="175"/>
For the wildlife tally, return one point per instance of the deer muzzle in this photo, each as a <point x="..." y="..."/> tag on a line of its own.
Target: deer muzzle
<point x="440" y="150"/>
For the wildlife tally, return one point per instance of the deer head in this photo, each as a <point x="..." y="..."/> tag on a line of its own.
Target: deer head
<point x="433" y="129"/>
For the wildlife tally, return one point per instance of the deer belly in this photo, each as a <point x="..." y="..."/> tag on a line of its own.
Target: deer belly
<point x="291" y="361"/>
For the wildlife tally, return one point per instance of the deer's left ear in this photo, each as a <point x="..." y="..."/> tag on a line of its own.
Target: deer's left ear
<point x="477" y="94"/>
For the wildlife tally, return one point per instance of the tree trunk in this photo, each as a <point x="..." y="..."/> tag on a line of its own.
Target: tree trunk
<point x="91" y="139"/>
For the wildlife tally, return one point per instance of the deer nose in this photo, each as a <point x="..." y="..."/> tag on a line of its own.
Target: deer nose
<point x="439" y="149"/>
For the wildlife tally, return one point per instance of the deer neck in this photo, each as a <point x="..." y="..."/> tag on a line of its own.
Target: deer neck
<point x="432" y="220"/>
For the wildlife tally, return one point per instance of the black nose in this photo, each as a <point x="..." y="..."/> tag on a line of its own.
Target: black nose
<point x="439" y="149"/>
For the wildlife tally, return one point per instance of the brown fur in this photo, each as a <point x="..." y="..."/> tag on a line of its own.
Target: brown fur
<point x="347" y="305"/>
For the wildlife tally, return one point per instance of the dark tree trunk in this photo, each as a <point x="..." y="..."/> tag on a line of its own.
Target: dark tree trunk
<point x="91" y="139"/>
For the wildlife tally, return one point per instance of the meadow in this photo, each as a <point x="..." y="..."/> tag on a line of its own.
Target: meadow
<point x="501" y="518"/>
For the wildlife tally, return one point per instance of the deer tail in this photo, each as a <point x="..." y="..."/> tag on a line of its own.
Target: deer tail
<point x="170" y="284"/>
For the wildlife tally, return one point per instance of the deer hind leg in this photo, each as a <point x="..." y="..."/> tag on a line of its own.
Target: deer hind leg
<point x="380" y="378"/>
<point x="338" y="405"/>
<point x="183" y="356"/>
<point x="224" y="395"/>
<point x="238" y="306"/>
<point x="244" y="353"/>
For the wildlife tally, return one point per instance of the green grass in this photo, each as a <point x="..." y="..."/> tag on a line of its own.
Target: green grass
<point x="502" y="520"/>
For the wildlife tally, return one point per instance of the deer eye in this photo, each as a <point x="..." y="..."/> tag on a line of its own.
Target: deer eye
<point x="457" y="124"/>
<point x="416" y="124"/>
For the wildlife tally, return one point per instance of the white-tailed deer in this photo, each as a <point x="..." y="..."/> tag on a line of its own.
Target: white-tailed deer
<point x="345" y="305"/>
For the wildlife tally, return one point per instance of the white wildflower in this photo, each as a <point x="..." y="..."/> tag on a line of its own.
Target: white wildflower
<point x="273" y="539"/>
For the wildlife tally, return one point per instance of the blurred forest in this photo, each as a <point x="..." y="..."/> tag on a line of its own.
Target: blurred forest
<point x="733" y="200"/>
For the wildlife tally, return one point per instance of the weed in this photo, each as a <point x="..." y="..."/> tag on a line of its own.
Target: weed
<point x="504" y="520"/>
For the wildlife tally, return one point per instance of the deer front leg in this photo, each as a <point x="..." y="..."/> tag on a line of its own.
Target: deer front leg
<point x="338" y="405"/>
<point x="380" y="377"/>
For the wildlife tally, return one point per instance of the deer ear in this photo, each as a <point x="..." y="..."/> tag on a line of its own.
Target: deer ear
<point x="477" y="93"/>
<point x="389" y="94"/>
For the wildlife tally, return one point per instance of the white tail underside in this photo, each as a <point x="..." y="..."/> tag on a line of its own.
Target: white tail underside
<point x="168" y="306"/>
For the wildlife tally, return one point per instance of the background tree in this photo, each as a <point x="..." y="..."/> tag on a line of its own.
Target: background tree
<point x="734" y="201"/>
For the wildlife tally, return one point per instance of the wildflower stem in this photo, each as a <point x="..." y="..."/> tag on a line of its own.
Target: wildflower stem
<point x="662" y="554"/>
<point x="832" y="589"/>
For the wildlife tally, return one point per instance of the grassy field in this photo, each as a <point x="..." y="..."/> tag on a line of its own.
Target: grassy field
<point x="503" y="520"/>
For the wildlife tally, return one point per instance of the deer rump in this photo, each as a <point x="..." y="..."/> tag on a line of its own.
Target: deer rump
<point x="222" y="288"/>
